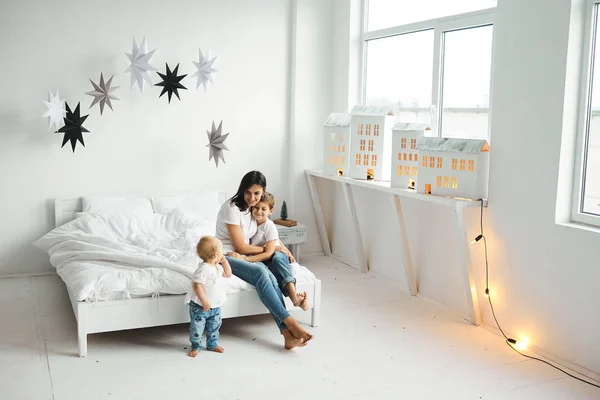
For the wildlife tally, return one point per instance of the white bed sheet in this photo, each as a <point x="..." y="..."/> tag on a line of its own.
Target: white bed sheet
<point x="115" y="256"/>
<point x="103" y="281"/>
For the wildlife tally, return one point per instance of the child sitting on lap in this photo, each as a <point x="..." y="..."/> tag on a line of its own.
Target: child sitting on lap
<point x="207" y="294"/>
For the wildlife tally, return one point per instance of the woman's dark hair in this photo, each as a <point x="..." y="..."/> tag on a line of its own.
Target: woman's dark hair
<point x="251" y="178"/>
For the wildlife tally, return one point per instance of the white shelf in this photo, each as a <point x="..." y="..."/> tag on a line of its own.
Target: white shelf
<point x="385" y="187"/>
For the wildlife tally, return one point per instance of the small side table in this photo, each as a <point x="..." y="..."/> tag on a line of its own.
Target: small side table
<point x="292" y="237"/>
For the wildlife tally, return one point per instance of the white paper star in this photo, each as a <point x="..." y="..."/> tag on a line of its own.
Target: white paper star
<point x="215" y="142"/>
<point x="56" y="110"/>
<point x="205" y="69"/>
<point x="102" y="93"/>
<point x="140" y="64"/>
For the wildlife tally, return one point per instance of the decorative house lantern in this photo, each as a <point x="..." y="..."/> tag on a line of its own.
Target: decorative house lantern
<point x="336" y="144"/>
<point x="453" y="167"/>
<point x="371" y="142"/>
<point x="405" y="167"/>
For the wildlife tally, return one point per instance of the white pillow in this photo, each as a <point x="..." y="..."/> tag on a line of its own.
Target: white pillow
<point x="202" y="206"/>
<point x="132" y="205"/>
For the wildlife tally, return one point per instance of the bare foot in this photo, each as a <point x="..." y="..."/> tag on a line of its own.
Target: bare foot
<point x="218" y="349"/>
<point x="194" y="353"/>
<point x="300" y="300"/>
<point x="290" y="341"/>
<point x="296" y="330"/>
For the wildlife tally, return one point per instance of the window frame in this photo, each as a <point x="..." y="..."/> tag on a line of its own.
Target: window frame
<point x="440" y="26"/>
<point x="590" y="34"/>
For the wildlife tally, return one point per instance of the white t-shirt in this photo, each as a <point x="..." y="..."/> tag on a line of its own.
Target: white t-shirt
<point x="230" y="214"/>
<point x="211" y="279"/>
<point x="265" y="232"/>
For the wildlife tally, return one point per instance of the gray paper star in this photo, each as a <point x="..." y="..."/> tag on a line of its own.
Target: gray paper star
<point x="140" y="64"/>
<point x="102" y="93"/>
<point x="215" y="143"/>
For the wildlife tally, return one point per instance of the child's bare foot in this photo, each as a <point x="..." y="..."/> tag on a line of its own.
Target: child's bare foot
<point x="300" y="300"/>
<point x="218" y="349"/>
<point x="194" y="353"/>
<point x="290" y="341"/>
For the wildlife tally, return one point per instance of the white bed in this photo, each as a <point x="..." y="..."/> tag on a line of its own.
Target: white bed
<point x="110" y="293"/>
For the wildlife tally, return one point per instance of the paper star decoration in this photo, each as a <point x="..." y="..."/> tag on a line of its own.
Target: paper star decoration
<point x="56" y="110"/>
<point x="102" y="93"/>
<point x="73" y="129"/>
<point x="215" y="143"/>
<point x="140" y="64"/>
<point x="205" y="69"/>
<point x="171" y="83"/>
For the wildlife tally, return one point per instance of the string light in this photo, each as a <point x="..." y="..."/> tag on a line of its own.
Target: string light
<point x="511" y="342"/>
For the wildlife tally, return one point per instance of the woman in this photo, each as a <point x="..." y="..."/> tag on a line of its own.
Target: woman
<point x="235" y="226"/>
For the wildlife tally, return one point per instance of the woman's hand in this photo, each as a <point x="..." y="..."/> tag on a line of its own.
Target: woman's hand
<point x="235" y="255"/>
<point x="285" y="251"/>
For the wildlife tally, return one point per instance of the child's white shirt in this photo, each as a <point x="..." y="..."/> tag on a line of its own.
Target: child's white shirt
<point x="212" y="281"/>
<point x="265" y="232"/>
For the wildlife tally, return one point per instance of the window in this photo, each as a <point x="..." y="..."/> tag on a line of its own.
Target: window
<point x="586" y="194"/>
<point x="343" y="149"/>
<point x="399" y="170"/>
<point x="336" y="160"/>
<point x="414" y="171"/>
<point x="405" y="156"/>
<point x="439" y="162"/>
<point x="439" y="181"/>
<point x="357" y="159"/>
<point x="455" y="163"/>
<point x="403" y="143"/>
<point x="462" y="164"/>
<point x="366" y="159"/>
<point x="399" y="156"/>
<point x="374" y="160"/>
<point x="362" y="145"/>
<point x="416" y="157"/>
<point x="387" y="13"/>
<point x="376" y="130"/>
<point x="454" y="183"/>
<point x="329" y="160"/>
<point x="370" y="145"/>
<point x="368" y="129"/>
<point x="431" y="162"/>
<point x="341" y="136"/>
<point x="446" y="181"/>
<point x="360" y="129"/>
<point x="471" y="165"/>
<point x="341" y="160"/>
<point x="432" y="59"/>
<point x="425" y="160"/>
<point x="413" y="143"/>
<point x="407" y="171"/>
<point x="333" y="136"/>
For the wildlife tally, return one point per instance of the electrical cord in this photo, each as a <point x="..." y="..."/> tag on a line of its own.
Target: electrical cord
<point x="510" y="341"/>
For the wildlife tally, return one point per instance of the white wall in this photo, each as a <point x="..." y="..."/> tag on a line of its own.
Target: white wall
<point x="146" y="145"/>
<point x="544" y="276"/>
<point x="310" y="105"/>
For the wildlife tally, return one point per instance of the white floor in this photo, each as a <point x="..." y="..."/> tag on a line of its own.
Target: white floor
<point x="375" y="342"/>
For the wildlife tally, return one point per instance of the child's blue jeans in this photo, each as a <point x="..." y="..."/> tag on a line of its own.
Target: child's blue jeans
<point x="199" y="319"/>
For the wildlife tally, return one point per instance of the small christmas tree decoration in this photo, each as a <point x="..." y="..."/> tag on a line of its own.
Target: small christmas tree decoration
<point x="283" y="217"/>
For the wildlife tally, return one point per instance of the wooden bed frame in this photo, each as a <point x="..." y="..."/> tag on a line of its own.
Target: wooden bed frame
<point x="115" y="315"/>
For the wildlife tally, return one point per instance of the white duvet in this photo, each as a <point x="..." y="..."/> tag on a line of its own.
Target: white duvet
<point x="114" y="256"/>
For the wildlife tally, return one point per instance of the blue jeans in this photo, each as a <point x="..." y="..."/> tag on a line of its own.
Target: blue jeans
<point x="279" y="265"/>
<point x="199" y="319"/>
<point x="266" y="286"/>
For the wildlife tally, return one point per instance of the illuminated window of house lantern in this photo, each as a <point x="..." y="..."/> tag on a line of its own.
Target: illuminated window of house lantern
<point x="336" y="139"/>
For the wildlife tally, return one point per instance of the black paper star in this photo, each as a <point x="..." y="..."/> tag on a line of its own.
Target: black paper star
<point x="73" y="129"/>
<point x="171" y="83"/>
